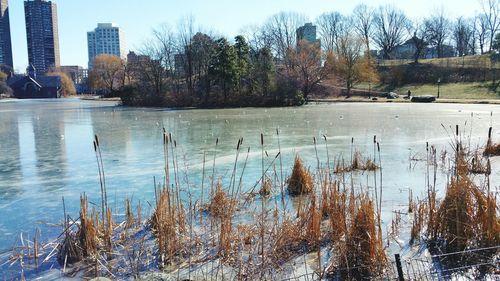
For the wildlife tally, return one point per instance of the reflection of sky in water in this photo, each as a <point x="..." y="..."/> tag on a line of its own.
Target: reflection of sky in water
<point x="46" y="149"/>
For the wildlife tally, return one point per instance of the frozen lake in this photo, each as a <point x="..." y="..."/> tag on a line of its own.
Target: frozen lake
<point x="46" y="149"/>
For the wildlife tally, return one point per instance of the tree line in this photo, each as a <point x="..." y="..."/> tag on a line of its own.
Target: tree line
<point x="270" y="65"/>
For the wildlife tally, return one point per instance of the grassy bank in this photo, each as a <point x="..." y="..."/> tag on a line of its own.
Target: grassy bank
<point x="466" y="62"/>
<point x="468" y="90"/>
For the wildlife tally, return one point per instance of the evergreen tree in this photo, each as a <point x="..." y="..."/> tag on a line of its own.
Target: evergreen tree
<point x="264" y="70"/>
<point x="243" y="60"/>
<point x="224" y="68"/>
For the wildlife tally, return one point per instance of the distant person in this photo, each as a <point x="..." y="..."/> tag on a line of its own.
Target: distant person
<point x="409" y="94"/>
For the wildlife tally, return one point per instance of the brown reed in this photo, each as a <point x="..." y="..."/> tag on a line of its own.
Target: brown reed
<point x="165" y="223"/>
<point x="362" y="255"/>
<point x="467" y="215"/>
<point x="301" y="180"/>
<point x="87" y="233"/>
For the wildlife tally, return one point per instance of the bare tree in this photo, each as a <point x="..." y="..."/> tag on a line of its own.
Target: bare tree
<point x="418" y="39"/>
<point x="362" y="19"/>
<point x="255" y="37"/>
<point x="107" y="73"/>
<point x="481" y="31"/>
<point x="186" y="33"/>
<point x="491" y="10"/>
<point x="348" y="63"/>
<point x="280" y="31"/>
<point x="437" y="28"/>
<point x="332" y="26"/>
<point x="307" y="70"/>
<point x="150" y="67"/>
<point x="462" y="36"/>
<point x="168" y="45"/>
<point x="390" y="25"/>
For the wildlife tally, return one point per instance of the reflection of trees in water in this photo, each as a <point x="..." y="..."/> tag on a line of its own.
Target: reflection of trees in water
<point x="10" y="164"/>
<point x="50" y="148"/>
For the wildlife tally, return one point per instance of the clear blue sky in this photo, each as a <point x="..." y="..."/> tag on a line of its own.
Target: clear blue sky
<point x="138" y="17"/>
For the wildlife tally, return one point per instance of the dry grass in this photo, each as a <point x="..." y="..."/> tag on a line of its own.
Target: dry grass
<point x="266" y="188"/>
<point x="129" y="222"/>
<point x="221" y="209"/>
<point x="419" y="219"/>
<point x="331" y="214"/>
<point x="467" y="216"/>
<point x="358" y="163"/>
<point x="87" y="233"/>
<point x="301" y="180"/>
<point x="478" y="165"/>
<point x="362" y="255"/>
<point x="167" y="223"/>
<point x="492" y="150"/>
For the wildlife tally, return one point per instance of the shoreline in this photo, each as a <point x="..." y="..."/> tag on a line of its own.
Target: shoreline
<point x="355" y="99"/>
<point x="400" y="100"/>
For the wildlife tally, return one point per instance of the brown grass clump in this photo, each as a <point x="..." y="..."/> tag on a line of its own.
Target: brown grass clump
<point x="467" y="216"/>
<point x="287" y="239"/>
<point x="362" y="256"/>
<point x="219" y="203"/>
<point x="246" y="233"/>
<point x="129" y="215"/>
<point x="166" y="223"/>
<point x="492" y="150"/>
<point x="419" y="217"/>
<point x="82" y="243"/>
<point x="356" y="161"/>
<point x="301" y="181"/>
<point x="313" y="230"/>
<point x="359" y="163"/>
<point x="335" y="208"/>
<point x="478" y="165"/>
<point x="222" y="209"/>
<point x="87" y="233"/>
<point x="266" y="188"/>
<point x="370" y="165"/>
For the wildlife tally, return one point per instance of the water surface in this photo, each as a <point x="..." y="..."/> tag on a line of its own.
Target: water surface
<point x="46" y="150"/>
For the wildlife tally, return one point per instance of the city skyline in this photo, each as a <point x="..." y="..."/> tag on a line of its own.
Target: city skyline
<point x="5" y="41"/>
<point x="78" y="17"/>
<point x="42" y="35"/>
<point x="108" y="39"/>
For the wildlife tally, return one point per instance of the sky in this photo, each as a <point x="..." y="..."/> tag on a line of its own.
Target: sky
<point x="137" y="18"/>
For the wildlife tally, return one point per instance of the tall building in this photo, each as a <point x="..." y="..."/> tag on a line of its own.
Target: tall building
<point x="107" y="39"/>
<point x="5" y="42"/>
<point x="42" y="34"/>
<point x="307" y="32"/>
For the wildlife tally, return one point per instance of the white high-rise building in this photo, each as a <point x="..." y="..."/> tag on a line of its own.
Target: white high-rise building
<point x="108" y="39"/>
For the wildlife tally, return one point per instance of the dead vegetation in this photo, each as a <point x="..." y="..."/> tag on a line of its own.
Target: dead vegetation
<point x="467" y="217"/>
<point x="358" y="163"/>
<point x="328" y="212"/>
<point x="492" y="149"/>
<point x="301" y="180"/>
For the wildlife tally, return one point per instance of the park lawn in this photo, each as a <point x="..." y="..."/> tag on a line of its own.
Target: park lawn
<point x="473" y="90"/>
<point x="476" y="61"/>
<point x="470" y="90"/>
